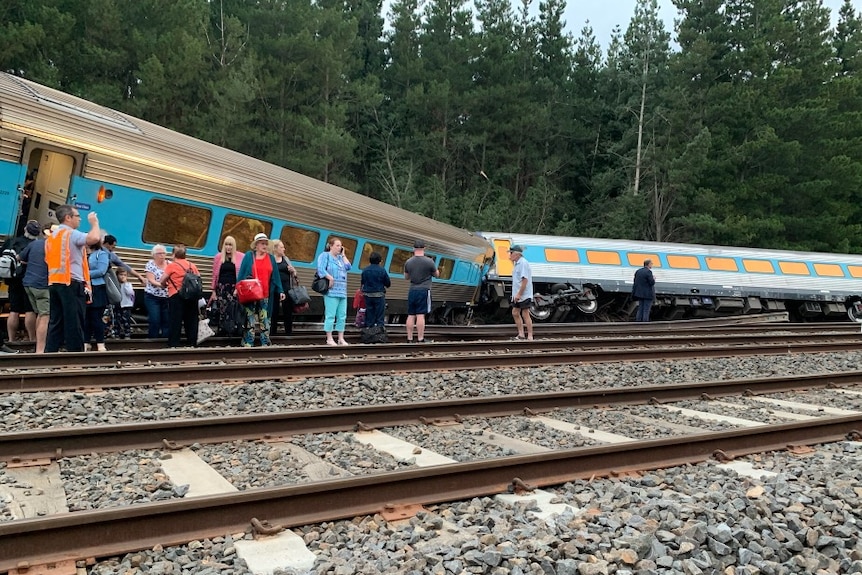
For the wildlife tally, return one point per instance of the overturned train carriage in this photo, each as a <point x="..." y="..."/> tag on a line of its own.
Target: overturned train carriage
<point x="591" y="279"/>
<point x="151" y="185"/>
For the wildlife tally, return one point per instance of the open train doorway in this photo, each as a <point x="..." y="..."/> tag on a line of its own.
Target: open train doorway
<point x="47" y="183"/>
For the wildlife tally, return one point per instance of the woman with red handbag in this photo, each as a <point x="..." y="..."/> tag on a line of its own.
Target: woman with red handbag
<point x="259" y="265"/>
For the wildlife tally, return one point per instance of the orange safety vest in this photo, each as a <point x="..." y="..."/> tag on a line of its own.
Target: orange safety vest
<point x="58" y="256"/>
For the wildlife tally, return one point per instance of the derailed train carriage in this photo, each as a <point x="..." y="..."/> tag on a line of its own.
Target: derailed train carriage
<point x="588" y="279"/>
<point x="151" y="185"/>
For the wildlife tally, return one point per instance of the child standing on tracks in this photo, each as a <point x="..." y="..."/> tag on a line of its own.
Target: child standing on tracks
<point x="123" y="310"/>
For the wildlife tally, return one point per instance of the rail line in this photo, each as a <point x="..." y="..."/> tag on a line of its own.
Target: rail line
<point x="311" y="334"/>
<point x="178" y="433"/>
<point x="86" y="534"/>
<point x="414" y="359"/>
<point x="151" y="357"/>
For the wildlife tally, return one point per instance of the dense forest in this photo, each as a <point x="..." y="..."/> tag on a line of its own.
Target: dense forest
<point x="743" y="126"/>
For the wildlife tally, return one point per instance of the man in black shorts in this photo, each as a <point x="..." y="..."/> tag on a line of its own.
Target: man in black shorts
<point x="522" y="292"/>
<point x="20" y="310"/>
<point x="420" y="270"/>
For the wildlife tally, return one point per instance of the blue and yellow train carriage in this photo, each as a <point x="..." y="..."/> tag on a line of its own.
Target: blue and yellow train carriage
<point x="691" y="280"/>
<point x="151" y="185"/>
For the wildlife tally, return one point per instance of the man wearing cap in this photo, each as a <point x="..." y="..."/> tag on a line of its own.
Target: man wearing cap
<point x="35" y="283"/>
<point x="522" y="292"/>
<point x="419" y="270"/>
<point x="19" y="303"/>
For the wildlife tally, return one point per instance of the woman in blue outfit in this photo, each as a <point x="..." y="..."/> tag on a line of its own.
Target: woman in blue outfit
<point x="94" y="326"/>
<point x="333" y="265"/>
<point x="261" y="264"/>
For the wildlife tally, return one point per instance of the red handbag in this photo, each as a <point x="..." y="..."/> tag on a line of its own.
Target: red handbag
<point x="250" y="290"/>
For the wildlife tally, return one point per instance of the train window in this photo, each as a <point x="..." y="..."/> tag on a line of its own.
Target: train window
<point x="300" y="244"/>
<point x="639" y="259"/>
<point x="446" y="267"/>
<point x="722" y="264"/>
<point x="399" y="256"/>
<point x="794" y="268"/>
<point x="683" y="262"/>
<point x="607" y="258"/>
<point x="175" y="223"/>
<point x="367" y="249"/>
<point x="562" y="256"/>
<point x="855" y="271"/>
<point x="349" y="245"/>
<point x="829" y="270"/>
<point x="243" y="229"/>
<point x="758" y="266"/>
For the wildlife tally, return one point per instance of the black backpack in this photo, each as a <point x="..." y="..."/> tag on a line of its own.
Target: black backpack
<point x="376" y="334"/>
<point x="192" y="286"/>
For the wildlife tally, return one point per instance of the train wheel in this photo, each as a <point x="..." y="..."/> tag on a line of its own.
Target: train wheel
<point x="540" y="313"/>
<point x="589" y="307"/>
<point x="854" y="312"/>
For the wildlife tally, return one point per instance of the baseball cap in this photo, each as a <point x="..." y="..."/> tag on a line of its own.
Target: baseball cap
<point x="417" y="244"/>
<point x="516" y="248"/>
<point x="32" y="228"/>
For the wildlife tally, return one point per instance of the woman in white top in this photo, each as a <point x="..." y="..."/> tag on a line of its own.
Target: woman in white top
<point x="155" y="296"/>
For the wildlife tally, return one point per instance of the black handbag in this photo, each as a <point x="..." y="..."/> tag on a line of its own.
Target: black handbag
<point x="320" y="285"/>
<point x="298" y="294"/>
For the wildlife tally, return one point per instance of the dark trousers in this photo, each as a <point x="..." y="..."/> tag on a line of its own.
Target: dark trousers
<point x="66" y="323"/>
<point x="283" y="312"/>
<point x="375" y="311"/>
<point x="644" y="306"/>
<point x="182" y="314"/>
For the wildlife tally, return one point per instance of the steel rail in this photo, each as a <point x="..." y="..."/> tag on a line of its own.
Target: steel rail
<point x="150" y="357"/>
<point x="313" y="335"/>
<point x="418" y="361"/>
<point x="178" y="433"/>
<point x="108" y="532"/>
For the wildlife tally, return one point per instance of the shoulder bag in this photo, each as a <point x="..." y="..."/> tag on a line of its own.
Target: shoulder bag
<point x="112" y="287"/>
<point x="249" y="290"/>
<point x="297" y="293"/>
<point x="320" y="285"/>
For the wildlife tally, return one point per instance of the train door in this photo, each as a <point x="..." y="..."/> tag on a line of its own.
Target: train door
<point x="48" y="181"/>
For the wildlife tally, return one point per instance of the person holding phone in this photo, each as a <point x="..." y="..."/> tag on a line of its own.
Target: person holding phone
<point x="333" y="264"/>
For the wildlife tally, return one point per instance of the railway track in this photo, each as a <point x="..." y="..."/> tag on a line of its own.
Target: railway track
<point x="177" y="367"/>
<point x="311" y="334"/>
<point x="106" y="532"/>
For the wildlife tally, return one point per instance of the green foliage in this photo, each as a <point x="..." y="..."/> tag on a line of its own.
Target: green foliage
<point x="489" y="115"/>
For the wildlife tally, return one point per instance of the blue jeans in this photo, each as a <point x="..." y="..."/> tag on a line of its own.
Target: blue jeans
<point x="644" y="306"/>
<point x="157" y="315"/>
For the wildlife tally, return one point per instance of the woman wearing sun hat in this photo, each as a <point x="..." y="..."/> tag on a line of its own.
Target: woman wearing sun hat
<point x="260" y="264"/>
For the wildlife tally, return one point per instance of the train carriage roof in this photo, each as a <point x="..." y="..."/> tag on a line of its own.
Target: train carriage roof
<point x="52" y="116"/>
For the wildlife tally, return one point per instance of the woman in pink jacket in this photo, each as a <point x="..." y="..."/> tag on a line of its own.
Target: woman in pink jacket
<point x="225" y="267"/>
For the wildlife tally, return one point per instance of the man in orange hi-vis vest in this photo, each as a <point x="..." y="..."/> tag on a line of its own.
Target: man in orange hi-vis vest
<point x="68" y="278"/>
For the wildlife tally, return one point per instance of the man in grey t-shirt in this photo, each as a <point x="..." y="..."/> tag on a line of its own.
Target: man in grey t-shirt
<point x="420" y="269"/>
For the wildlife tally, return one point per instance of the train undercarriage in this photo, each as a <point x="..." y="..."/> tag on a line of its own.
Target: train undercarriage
<point x="567" y="302"/>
